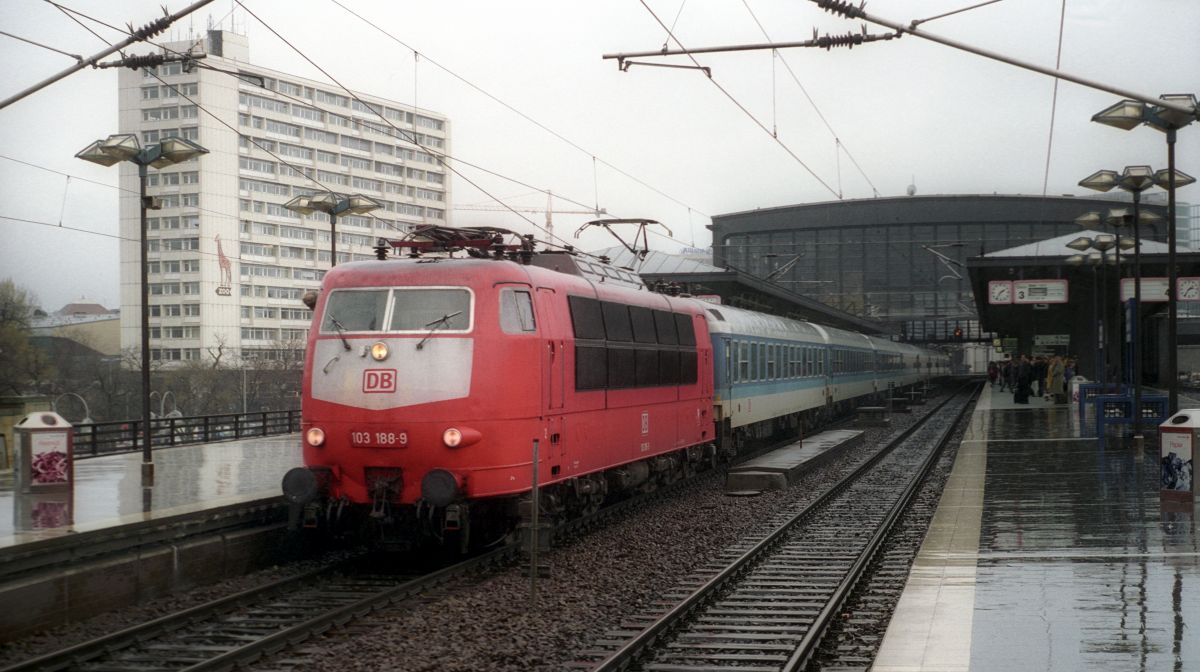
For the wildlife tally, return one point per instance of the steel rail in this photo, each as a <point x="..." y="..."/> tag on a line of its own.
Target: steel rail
<point x="84" y="651"/>
<point x="816" y="632"/>
<point x="639" y="644"/>
<point x="302" y="631"/>
<point x="115" y="642"/>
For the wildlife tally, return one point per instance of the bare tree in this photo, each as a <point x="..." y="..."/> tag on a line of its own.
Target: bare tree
<point x="22" y="368"/>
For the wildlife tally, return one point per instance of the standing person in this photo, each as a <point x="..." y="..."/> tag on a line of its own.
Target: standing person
<point x="993" y="373"/>
<point x="1039" y="375"/>
<point x="1010" y="374"/>
<point x="1024" y="369"/>
<point x="1055" y="377"/>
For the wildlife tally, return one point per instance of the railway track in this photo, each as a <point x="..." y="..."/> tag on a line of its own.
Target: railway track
<point x="237" y="630"/>
<point x="240" y="628"/>
<point x="765" y="604"/>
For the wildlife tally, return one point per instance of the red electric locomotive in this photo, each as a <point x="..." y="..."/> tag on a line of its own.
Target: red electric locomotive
<point x="428" y="380"/>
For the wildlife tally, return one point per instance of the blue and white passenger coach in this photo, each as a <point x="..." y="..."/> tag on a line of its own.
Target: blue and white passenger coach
<point x="772" y="373"/>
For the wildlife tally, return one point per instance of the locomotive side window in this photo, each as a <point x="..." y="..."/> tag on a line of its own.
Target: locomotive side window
<point x="618" y="346"/>
<point x="354" y="310"/>
<point x="591" y="367"/>
<point x="516" y="312"/>
<point x="586" y="317"/>
<point x="665" y="324"/>
<point x="622" y="364"/>
<point x="616" y="322"/>
<point x="422" y="309"/>
<point x="688" y="367"/>
<point x="643" y="324"/>
<point x="647" y="367"/>
<point x="685" y="328"/>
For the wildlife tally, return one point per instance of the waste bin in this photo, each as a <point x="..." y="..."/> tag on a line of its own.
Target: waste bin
<point x="1178" y="437"/>
<point x="45" y="453"/>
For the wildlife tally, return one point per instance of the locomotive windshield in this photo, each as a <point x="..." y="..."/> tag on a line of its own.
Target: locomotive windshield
<point x="358" y="310"/>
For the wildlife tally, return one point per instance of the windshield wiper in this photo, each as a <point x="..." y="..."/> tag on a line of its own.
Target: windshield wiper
<point x="340" y="329"/>
<point x="437" y="324"/>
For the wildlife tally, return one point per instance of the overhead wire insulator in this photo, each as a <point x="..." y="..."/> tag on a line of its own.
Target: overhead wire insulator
<point x="842" y="8"/>
<point x="136" y="62"/>
<point x="151" y="29"/>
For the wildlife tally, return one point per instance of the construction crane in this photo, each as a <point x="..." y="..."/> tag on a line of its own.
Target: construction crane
<point x="549" y="210"/>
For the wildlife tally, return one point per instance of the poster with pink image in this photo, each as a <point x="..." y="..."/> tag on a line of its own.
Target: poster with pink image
<point x="48" y="458"/>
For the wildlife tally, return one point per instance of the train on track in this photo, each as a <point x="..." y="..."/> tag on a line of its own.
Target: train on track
<point x="429" y="380"/>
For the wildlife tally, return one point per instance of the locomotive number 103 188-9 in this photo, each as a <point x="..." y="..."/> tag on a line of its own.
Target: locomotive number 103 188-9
<point x="378" y="439"/>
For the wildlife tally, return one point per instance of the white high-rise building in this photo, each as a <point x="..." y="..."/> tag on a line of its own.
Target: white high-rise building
<point x="228" y="263"/>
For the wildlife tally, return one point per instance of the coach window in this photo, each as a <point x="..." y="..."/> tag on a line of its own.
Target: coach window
<point x="762" y="361"/>
<point x="730" y="357"/>
<point x="516" y="311"/>
<point x="743" y="361"/>
<point x="754" y="361"/>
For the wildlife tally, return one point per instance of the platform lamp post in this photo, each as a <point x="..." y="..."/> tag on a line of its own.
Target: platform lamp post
<point x="1092" y="255"/>
<point x="333" y="205"/>
<point x="169" y="151"/>
<point x="1115" y="217"/>
<point x="1135" y="180"/>
<point x="1127" y="115"/>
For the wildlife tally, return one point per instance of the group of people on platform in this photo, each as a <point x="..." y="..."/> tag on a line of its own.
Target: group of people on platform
<point x="1027" y="376"/>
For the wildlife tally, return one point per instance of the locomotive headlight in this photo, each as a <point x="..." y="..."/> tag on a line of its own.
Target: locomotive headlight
<point x="315" y="437"/>
<point x="379" y="351"/>
<point x="456" y="437"/>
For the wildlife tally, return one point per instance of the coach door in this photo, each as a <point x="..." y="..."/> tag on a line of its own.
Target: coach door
<point x="553" y="354"/>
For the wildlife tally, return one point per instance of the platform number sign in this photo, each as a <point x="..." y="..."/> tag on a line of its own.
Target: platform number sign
<point x="645" y="423"/>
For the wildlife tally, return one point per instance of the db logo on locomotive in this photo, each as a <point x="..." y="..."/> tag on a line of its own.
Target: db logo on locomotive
<point x="379" y="380"/>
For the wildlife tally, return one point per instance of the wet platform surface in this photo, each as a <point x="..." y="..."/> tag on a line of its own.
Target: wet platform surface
<point x="1050" y="553"/>
<point x="108" y="490"/>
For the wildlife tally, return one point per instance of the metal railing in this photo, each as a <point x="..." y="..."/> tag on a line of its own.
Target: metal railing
<point x="106" y="438"/>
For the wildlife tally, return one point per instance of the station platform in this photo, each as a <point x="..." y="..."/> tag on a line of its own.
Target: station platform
<point x="1048" y="552"/>
<point x="108" y="489"/>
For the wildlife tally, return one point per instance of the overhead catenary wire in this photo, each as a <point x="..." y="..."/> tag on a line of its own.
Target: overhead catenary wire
<point x="137" y="35"/>
<point x="837" y="138"/>
<point x="742" y="107"/>
<point x="294" y="168"/>
<point x="77" y="57"/>
<point x="441" y="156"/>
<point x="385" y="120"/>
<point x="521" y="114"/>
<point x="397" y="133"/>
<point x="1062" y="19"/>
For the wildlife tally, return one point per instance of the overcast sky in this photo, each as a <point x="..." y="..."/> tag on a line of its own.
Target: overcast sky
<point x="905" y="110"/>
